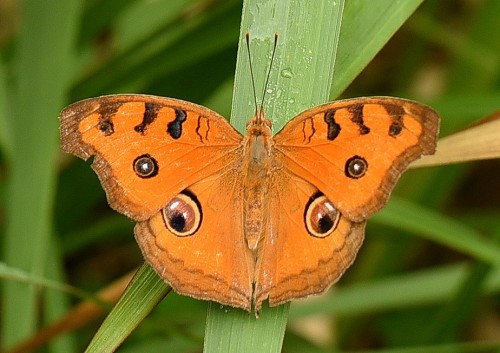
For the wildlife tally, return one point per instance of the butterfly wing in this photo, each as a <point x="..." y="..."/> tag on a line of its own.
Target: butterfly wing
<point x="142" y="143"/>
<point x="157" y="157"/>
<point x="214" y="262"/>
<point x="355" y="150"/>
<point x="336" y="165"/>
<point x="294" y="262"/>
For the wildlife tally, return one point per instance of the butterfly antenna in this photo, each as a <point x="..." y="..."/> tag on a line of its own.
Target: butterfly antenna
<point x="247" y="36"/>
<point x="261" y="109"/>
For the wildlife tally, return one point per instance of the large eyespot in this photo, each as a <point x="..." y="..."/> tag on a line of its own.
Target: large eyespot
<point x="182" y="215"/>
<point x="356" y="167"/>
<point x="321" y="217"/>
<point x="145" y="166"/>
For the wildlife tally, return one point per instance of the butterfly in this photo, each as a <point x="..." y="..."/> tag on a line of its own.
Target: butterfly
<point x="241" y="219"/>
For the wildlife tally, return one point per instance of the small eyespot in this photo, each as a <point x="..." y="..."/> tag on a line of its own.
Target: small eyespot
<point x="182" y="215"/>
<point x="145" y="166"/>
<point x="356" y="167"/>
<point x="321" y="217"/>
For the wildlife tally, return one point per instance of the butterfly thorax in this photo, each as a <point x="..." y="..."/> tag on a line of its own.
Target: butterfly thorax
<point x="256" y="166"/>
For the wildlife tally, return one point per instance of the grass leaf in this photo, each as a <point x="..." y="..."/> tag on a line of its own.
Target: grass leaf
<point x="367" y="26"/>
<point x="144" y="292"/>
<point x="404" y="215"/>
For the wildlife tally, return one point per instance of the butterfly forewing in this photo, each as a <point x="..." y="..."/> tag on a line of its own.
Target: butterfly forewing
<point x="355" y="150"/>
<point x="147" y="149"/>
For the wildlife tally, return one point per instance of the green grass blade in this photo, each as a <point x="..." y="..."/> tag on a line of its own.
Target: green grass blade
<point x="430" y="286"/>
<point x="144" y="292"/>
<point x="455" y="312"/>
<point x="434" y="226"/>
<point x="20" y="276"/>
<point x="302" y="71"/>
<point x="301" y="77"/>
<point x="366" y="27"/>
<point x="42" y="77"/>
<point x="234" y="330"/>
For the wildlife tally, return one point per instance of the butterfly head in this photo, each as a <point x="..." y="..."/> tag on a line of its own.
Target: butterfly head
<point x="259" y="125"/>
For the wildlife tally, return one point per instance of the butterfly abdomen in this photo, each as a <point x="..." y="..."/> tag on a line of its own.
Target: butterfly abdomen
<point x="256" y="167"/>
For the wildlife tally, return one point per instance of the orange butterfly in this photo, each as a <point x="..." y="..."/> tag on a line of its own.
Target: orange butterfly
<point x="239" y="219"/>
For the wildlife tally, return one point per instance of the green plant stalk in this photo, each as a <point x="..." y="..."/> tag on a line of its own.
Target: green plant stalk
<point x="20" y="276"/>
<point x="302" y="71"/>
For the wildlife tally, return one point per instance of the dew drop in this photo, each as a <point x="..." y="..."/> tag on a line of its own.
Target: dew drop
<point x="286" y="73"/>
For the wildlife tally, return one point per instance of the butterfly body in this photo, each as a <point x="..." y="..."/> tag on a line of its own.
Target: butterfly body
<point x="240" y="219"/>
<point x="256" y="173"/>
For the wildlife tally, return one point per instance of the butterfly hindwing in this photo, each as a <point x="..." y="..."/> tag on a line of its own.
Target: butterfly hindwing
<point x="209" y="259"/>
<point x="299" y="255"/>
